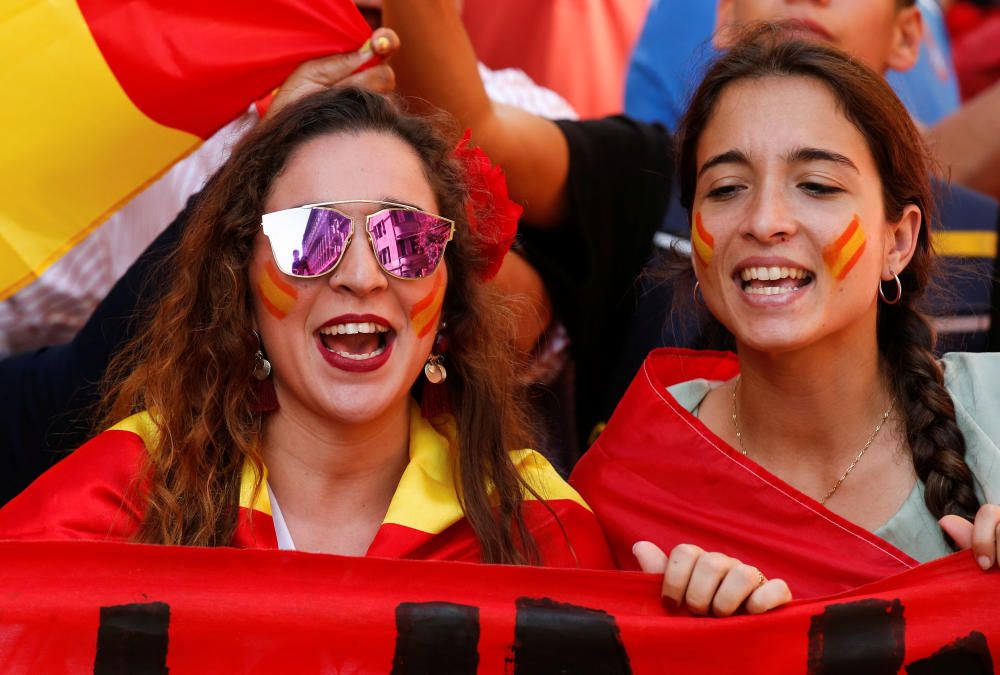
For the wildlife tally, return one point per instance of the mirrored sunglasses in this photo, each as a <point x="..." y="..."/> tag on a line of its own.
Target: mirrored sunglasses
<point x="309" y="241"/>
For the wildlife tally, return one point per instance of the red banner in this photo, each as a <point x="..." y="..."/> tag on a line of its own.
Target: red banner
<point x="102" y="608"/>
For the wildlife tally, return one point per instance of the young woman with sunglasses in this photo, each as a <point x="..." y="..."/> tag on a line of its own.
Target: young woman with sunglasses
<point x="830" y="446"/>
<point x="316" y="295"/>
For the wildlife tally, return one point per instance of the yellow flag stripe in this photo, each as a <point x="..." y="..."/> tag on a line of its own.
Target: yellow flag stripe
<point x="703" y="242"/>
<point x="427" y="497"/>
<point x="966" y="243"/>
<point x="849" y="254"/>
<point x="426" y="311"/>
<point x="278" y="297"/>
<point x="74" y="147"/>
<point x="253" y="495"/>
<point x="141" y="424"/>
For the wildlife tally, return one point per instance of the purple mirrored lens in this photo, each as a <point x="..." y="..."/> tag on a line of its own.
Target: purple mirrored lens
<point x="408" y="244"/>
<point x="307" y="242"/>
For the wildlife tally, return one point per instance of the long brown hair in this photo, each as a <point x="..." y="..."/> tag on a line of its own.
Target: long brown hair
<point x="905" y="337"/>
<point x="191" y="365"/>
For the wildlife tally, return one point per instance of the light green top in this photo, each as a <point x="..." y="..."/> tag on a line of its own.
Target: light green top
<point x="973" y="380"/>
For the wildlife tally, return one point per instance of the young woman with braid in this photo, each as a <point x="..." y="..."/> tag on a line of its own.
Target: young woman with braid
<point x="829" y="447"/>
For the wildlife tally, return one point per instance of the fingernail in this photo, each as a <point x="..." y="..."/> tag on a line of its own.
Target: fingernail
<point x="366" y="49"/>
<point x="984" y="561"/>
<point x="381" y="43"/>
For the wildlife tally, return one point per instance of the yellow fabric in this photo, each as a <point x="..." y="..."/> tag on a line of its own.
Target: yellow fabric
<point x="969" y="244"/>
<point x="142" y="425"/>
<point x="426" y="498"/>
<point x="73" y="147"/>
<point x="252" y="495"/>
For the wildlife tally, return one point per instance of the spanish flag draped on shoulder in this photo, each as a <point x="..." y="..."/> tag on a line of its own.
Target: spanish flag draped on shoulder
<point x="101" y="97"/>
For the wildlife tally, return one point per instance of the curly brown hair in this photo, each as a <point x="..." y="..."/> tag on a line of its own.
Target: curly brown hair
<point x="191" y="364"/>
<point x="905" y="336"/>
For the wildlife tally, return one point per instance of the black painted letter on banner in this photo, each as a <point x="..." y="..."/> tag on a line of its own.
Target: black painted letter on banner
<point x="550" y="637"/>
<point x="868" y="636"/>
<point x="133" y="639"/>
<point x="436" y="637"/>
<point x="966" y="656"/>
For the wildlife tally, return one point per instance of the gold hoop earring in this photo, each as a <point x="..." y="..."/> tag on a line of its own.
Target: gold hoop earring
<point x="899" y="291"/>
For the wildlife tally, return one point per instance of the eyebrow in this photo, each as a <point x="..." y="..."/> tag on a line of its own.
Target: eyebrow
<point x="393" y="200"/>
<point x="728" y="157"/>
<point x="796" y="155"/>
<point x="819" y="155"/>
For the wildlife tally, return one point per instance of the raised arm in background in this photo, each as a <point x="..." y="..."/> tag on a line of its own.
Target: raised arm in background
<point x="436" y="63"/>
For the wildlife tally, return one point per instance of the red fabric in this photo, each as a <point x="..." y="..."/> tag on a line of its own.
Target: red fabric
<point x="91" y="494"/>
<point x="94" y="494"/>
<point x="657" y="473"/>
<point x="79" y="607"/>
<point x="581" y="545"/>
<point x="195" y="65"/>
<point x="962" y="17"/>
<point x="977" y="56"/>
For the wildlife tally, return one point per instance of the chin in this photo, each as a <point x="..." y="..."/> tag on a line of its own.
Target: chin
<point x="357" y="410"/>
<point x="776" y="341"/>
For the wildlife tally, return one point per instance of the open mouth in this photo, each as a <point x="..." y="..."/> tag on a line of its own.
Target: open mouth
<point x="773" y="280"/>
<point x="358" y="341"/>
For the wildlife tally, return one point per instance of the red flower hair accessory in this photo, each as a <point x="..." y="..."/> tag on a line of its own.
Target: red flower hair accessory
<point x="491" y="213"/>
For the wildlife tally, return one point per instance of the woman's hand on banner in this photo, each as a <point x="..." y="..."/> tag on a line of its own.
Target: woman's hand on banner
<point x="710" y="582"/>
<point x="981" y="535"/>
<point x="341" y="70"/>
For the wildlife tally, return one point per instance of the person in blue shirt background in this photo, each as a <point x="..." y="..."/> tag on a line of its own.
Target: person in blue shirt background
<point x="675" y="47"/>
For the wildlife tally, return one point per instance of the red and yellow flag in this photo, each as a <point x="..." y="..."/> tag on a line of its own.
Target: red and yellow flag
<point x="101" y="97"/>
<point x="702" y="241"/>
<point x="277" y="294"/>
<point x="841" y="255"/>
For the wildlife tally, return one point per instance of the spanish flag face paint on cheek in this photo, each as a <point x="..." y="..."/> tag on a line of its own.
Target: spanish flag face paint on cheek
<point x="702" y="242"/>
<point x="276" y="293"/>
<point x="427" y="310"/>
<point x="843" y="253"/>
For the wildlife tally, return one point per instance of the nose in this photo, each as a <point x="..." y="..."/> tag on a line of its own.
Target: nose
<point x="770" y="218"/>
<point x="358" y="272"/>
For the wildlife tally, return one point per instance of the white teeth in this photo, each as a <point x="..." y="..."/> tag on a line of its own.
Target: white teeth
<point x="768" y="290"/>
<point x="353" y="328"/>
<point x="772" y="273"/>
<point x="360" y="357"/>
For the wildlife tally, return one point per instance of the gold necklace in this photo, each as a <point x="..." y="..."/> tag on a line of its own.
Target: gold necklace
<point x="836" y="486"/>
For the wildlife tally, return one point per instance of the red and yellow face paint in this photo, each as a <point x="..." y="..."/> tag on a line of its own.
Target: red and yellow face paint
<point x="841" y="255"/>
<point x="277" y="294"/>
<point x="702" y="242"/>
<point x="427" y="310"/>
